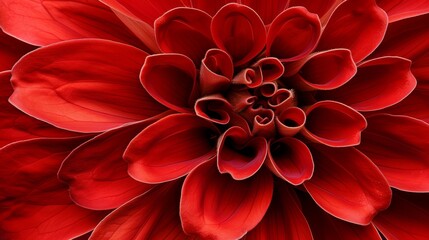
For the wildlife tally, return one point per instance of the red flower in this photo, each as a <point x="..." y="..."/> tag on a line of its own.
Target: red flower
<point x="271" y="119"/>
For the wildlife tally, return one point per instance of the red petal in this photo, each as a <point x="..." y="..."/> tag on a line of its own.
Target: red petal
<point x="290" y="121"/>
<point x="401" y="9"/>
<point x="170" y="148"/>
<point x="239" y="154"/>
<point x="347" y="184"/>
<point x="379" y="83"/>
<point x="333" y="124"/>
<point x="293" y="34"/>
<point x="399" y="145"/>
<point x="185" y="31"/>
<point x="271" y="68"/>
<point x="291" y="160"/>
<point x="11" y="49"/>
<point x="215" y="206"/>
<point x="171" y="80"/>
<point x="326" y="227"/>
<point x="355" y="25"/>
<point x="210" y="7"/>
<point x="16" y="125"/>
<point x="56" y="84"/>
<point x="282" y="100"/>
<point x="406" y="218"/>
<point x="214" y="108"/>
<point x="238" y="30"/>
<point x="283" y="220"/>
<point x="44" y="22"/>
<point x="267" y="10"/>
<point x="153" y="215"/>
<point x="323" y="70"/>
<point x="323" y="8"/>
<point x="34" y="203"/>
<point x="103" y="183"/>
<point x="216" y="72"/>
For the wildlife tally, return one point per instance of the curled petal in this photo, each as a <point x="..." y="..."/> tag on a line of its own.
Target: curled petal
<point x="152" y="215"/>
<point x="250" y="77"/>
<point x="216" y="72"/>
<point x="284" y="219"/>
<point x="264" y="124"/>
<point x="240" y="205"/>
<point x="45" y="22"/>
<point x="324" y="70"/>
<point x="185" y="31"/>
<point x="104" y="184"/>
<point x="214" y="108"/>
<point x="402" y="9"/>
<point x="343" y="230"/>
<point x="282" y="99"/>
<point x="406" y="218"/>
<point x="398" y="145"/>
<point x="356" y="25"/>
<point x="73" y="85"/>
<point x="239" y="31"/>
<point x="190" y="140"/>
<point x="267" y="89"/>
<point x="290" y="121"/>
<point x="271" y="68"/>
<point x="239" y="154"/>
<point x="240" y="99"/>
<point x="291" y="160"/>
<point x="171" y="80"/>
<point x="347" y="184"/>
<point x="333" y="124"/>
<point x="293" y="34"/>
<point x="379" y="83"/>
<point x="267" y="10"/>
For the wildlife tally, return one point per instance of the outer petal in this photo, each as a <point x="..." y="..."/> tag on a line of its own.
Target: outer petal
<point x="153" y="215"/>
<point x="267" y="10"/>
<point x="291" y="160"/>
<point x="170" y="148"/>
<point x="284" y="219"/>
<point x="35" y="205"/>
<point x="358" y="25"/>
<point x="210" y="7"/>
<point x="239" y="154"/>
<point x="41" y="22"/>
<point x="238" y="30"/>
<point x="293" y="34"/>
<point x="16" y="125"/>
<point x="185" y="31"/>
<point x="214" y="206"/>
<point x="379" y="83"/>
<point x="406" y="218"/>
<point x="401" y="9"/>
<point x="333" y="124"/>
<point x="323" y="8"/>
<point x="103" y="183"/>
<point x="326" y="227"/>
<point x="347" y="184"/>
<point x="171" y="80"/>
<point x="399" y="145"/>
<point x="11" y="49"/>
<point x="73" y="85"/>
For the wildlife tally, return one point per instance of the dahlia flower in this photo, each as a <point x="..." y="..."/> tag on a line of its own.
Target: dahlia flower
<point x="193" y="119"/>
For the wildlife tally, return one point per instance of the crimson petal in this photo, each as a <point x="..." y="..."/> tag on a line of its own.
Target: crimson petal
<point x="239" y="154"/>
<point x="73" y="85"/>
<point x="291" y="160"/>
<point x="290" y="121"/>
<point x="171" y="80"/>
<point x="284" y="219"/>
<point x="379" y="83"/>
<point x="401" y="9"/>
<point x="216" y="71"/>
<point x="406" y="218"/>
<point x="240" y="205"/>
<point x="358" y="25"/>
<point x="214" y="108"/>
<point x="238" y="30"/>
<point x="34" y="203"/>
<point x="333" y="124"/>
<point x="267" y="10"/>
<point x="353" y="190"/>
<point x="210" y="7"/>
<point x="152" y="215"/>
<point x="104" y="183"/>
<point x="11" y="49"/>
<point x="333" y="228"/>
<point x="41" y="22"/>
<point x="293" y="34"/>
<point x="185" y="31"/>
<point x="323" y="8"/>
<point x="188" y="139"/>
<point x="398" y="145"/>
